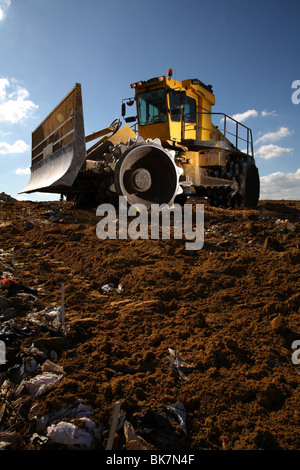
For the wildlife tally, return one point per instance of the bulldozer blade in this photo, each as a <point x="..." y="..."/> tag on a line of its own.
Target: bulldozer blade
<point x="58" y="147"/>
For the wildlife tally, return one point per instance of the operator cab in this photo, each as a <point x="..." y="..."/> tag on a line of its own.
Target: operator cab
<point x="172" y="110"/>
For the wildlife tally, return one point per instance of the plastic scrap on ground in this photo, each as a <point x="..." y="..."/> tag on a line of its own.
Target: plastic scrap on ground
<point x="157" y="429"/>
<point x="285" y="225"/>
<point x="60" y="427"/>
<point x="182" y="365"/>
<point x="109" y="287"/>
<point x="68" y="434"/>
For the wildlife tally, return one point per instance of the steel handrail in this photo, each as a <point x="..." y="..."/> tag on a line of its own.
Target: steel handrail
<point x="225" y="131"/>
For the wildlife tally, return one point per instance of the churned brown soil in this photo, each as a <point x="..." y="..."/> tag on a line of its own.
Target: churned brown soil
<point x="231" y="309"/>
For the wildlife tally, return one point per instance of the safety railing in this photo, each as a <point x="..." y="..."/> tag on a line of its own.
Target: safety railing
<point x="233" y="131"/>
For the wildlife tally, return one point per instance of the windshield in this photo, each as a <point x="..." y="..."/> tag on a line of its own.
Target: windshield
<point x="152" y="107"/>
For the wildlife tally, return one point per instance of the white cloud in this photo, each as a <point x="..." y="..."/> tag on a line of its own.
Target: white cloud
<point x="274" y="136"/>
<point x="4" y="133"/>
<point x="247" y="114"/>
<point x="4" y="4"/>
<point x="18" y="147"/>
<point x="272" y="151"/>
<point x="14" y="103"/>
<point x="265" y="113"/>
<point x="280" y="185"/>
<point x="4" y="83"/>
<point x="22" y="171"/>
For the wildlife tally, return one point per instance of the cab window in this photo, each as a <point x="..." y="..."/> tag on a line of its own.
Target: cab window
<point x="152" y="108"/>
<point x="190" y="110"/>
<point x="175" y="105"/>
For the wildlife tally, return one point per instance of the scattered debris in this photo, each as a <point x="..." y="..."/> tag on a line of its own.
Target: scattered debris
<point x="42" y="383"/>
<point x="7" y="438"/>
<point x="164" y="427"/>
<point x="133" y="440"/>
<point x="113" y="427"/>
<point x="114" y="349"/>
<point x="86" y="435"/>
<point x="225" y="442"/>
<point x="6" y="198"/>
<point x="182" y="365"/>
<point x="108" y="287"/>
<point x="285" y="225"/>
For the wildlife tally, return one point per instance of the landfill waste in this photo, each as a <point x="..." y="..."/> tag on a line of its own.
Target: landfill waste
<point x="120" y="289"/>
<point x="164" y="427"/>
<point x="133" y="440"/>
<point x="54" y="216"/>
<point x="109" y="287"/>
<point x="42" y="383"/>
<point x="225" y="442"/>
<point x="158" y="428"/>
<point x="114" y="425"/>
<point x="224" y="304"/>
<point x="77" y="409"/>
<point x="70" y="426"/>
<point x="182" y="365"/>
<point x="7" y="438"/>
<point x="6" y="198"/>
<point x="22" y="361"/>
<point x="285" y="225"/>
<point x="53" y="315"/>
<point x="88" y="435"/>
<point x="13" y="288"/>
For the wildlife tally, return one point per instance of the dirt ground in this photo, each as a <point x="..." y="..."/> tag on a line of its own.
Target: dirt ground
<point x="230" y="310"/>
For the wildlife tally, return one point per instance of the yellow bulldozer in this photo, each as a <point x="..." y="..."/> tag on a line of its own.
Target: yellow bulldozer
<point x="165" y="152"/>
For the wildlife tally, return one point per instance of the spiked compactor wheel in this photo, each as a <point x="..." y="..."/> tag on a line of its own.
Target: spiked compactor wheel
<point x="146" y="173"/>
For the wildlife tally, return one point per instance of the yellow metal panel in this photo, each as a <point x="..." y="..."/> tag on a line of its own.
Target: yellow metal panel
<point x="152" y="131"/>
<point x="194" y="161"/>
<point x="191" y="167"/>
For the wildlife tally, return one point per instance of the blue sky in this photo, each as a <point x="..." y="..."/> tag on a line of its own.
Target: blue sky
<point x="248" y="51"/>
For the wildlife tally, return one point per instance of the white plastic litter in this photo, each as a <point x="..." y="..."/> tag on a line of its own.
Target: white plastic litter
<point x="68" y="434"/>
<point x="285" y="224"/>
<point x="53" y="314"/>
<point x="62" y="433"/>
<point x="42" y="383"/>
<point x="108" y="287"/>
<point x="77" y="410"/>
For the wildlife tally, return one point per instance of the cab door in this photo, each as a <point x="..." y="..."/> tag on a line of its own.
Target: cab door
<point x="190" y="119"/>
<point x="182" y="127"/>
<point x="175" y="104"/>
